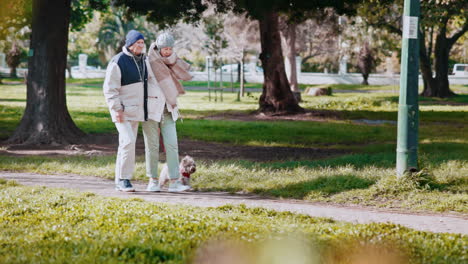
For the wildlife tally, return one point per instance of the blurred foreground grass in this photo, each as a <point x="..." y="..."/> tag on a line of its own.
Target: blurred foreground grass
<point x="40" y="225"/>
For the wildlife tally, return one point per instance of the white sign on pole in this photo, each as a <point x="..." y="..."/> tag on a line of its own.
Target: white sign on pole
<point x="410" y="27"/>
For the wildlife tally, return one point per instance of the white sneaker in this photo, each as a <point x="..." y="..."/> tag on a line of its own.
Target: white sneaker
<point x="153" y="185"/>
<point x="177" y="187"/>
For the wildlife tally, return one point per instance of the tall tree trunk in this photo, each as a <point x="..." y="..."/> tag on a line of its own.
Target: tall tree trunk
<point x="240" y="65"/>
<point x="276" y="95"/>
<point x="437" y="86"/>
<point x="46" y="119"/>
<point x="68" y="68"/>
<point x="13" y="73"/>
<point x="289" y="39"/>
<point x="365" y="79"/>
<point x="239" y="71"/>
<point x="425" y="64"/>
<point x="365" y="63"/>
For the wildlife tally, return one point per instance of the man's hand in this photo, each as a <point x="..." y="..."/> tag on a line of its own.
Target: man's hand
<point x="119" y="116"/>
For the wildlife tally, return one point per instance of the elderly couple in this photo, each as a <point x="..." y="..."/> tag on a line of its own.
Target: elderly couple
<point x="144" y="89"/>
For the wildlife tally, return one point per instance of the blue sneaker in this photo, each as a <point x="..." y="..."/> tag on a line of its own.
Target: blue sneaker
<point x="124" y="185"/>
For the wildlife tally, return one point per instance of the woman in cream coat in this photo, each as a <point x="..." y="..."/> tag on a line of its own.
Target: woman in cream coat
<point x="162" y="116"/>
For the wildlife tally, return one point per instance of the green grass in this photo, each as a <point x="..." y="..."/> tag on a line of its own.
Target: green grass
<point x="366" y="176"/>
<point x="364" y="179"/>
<point x="279" y="133"/>
<point x="40" y="225"/>
<point x="227" y="85"/>
<point x="94" y="81"/>
<point x="89" y="111"/>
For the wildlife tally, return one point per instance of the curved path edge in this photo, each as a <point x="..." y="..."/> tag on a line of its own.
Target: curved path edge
<point x="438" y="223"/>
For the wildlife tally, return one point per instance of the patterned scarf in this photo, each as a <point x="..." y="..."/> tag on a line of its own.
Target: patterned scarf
<point x="168" y="70"/>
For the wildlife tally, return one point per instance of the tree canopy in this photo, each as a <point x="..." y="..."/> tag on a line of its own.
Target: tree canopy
<point x="165" y="13"/>
<point x="14" y="15"/>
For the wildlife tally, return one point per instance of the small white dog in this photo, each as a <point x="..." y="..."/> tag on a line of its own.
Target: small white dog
<point x="187" y="167"/>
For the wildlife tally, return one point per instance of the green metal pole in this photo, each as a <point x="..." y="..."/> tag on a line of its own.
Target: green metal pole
<point x="408" y="112"/>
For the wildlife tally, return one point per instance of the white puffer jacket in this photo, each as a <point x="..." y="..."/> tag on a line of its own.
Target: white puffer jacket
<point x="123" y="88"/>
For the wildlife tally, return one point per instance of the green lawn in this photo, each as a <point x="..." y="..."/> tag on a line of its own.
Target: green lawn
<point x="365" y="176"/>
<point x="40" y="225"/>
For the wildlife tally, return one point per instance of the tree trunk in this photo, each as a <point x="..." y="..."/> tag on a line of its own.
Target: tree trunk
<point x="46" y="119"/>
<point x="425" y="64"/>
<point x="13" y="73"/>
<point x="289" y="39"/>
<point x="437" y="86"/>
<point x="276" y="95"/>
<point x="239" y="71"/>
<point x="240" y="66"/>
<point x="366" y="61"/>
<point x="68" y="67"/>
<point x="365" y="77"/>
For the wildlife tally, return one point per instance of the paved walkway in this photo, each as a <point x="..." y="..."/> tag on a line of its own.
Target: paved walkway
<point x="426" y="222"/>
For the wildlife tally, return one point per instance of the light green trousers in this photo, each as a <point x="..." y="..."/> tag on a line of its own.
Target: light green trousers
<point x="169" y="135"/>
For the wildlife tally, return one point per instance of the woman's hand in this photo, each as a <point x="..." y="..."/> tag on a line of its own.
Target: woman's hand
<point x="119" y="116"/>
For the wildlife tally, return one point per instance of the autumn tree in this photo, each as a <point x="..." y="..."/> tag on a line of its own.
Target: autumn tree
<point x="13" y="57"/>
<point x="317" y="41"/>
<point x="242" y="34"/>
<point x="277" y="95"/>
<point x="366" y="62"/>
<point x="15" y="17"/>
<point x="366" y="45"/>
<point x="289" y="24"/>
<point x="288" y="30"/>
<point x="213" y="27"/>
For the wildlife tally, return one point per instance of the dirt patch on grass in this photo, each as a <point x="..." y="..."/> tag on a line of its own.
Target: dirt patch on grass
<point x="309" y="115"/>
<point x="106" y="144"/>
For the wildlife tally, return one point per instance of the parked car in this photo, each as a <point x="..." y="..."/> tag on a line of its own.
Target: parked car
<point x="460" y="70"/>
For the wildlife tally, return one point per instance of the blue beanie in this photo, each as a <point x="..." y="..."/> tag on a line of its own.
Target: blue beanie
<point x="132" y="37"/>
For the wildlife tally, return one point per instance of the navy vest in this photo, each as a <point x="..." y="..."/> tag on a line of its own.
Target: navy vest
<point x="130" y="74"/>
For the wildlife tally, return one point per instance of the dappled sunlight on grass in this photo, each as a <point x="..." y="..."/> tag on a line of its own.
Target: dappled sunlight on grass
<point x="199" y="102"/>
<point x="88" y="102"/>
<point x="39" y="224"/>
<point x="454" y="140"/>
<point x="352" y="102"/>
<point x="280" y="133"/>
<point x="366" y="175"/>
<point x="361" y="178"/>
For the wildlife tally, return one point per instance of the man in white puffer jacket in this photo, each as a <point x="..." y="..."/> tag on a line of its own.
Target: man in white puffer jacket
<point x="125" y="90"/>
